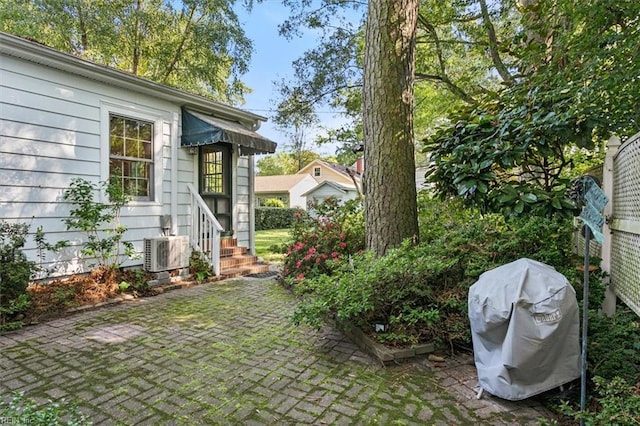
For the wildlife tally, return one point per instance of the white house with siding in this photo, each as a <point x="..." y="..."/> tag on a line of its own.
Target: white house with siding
<point x="287" y="188"/>
<point x="187" y="161"/>
<point x="328" y="189"/>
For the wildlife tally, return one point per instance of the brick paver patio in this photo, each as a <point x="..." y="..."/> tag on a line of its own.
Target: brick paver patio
<point x="226" y="353"/>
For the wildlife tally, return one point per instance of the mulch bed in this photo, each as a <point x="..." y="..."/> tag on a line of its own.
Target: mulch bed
<point x="54" y="299"/>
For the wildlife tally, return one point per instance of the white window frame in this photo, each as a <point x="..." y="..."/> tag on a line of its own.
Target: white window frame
<point x="145" y="114"/>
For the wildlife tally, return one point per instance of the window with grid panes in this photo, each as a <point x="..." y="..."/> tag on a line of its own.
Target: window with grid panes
<point x="131" y="155"/>
<point x="213" y="172"/>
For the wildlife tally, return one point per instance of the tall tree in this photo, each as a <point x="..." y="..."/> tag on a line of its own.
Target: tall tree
<point x="389" y="178"/>
<point x="196" y="45"/>
<point x="295" y="122"/>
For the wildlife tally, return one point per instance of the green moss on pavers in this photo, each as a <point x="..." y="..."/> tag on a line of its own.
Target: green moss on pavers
<point x="220" y="334"/>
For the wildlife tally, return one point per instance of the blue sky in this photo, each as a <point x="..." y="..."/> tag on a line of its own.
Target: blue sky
<point x="271" y="61"/>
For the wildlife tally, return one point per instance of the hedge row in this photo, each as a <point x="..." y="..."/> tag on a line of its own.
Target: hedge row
<point x="275" y="217"/>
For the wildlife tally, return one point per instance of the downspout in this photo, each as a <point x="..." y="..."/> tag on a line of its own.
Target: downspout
<point x="174" y="173"/>
<point x="252" y="203"/>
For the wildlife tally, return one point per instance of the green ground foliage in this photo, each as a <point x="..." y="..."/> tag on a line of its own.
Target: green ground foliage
<point x="268" y="244"/>
<point x="15" y="272"/>
<point x="25" y="411"/>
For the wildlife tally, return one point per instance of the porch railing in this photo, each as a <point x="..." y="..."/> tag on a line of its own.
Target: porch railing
<point x="205" y="230"/>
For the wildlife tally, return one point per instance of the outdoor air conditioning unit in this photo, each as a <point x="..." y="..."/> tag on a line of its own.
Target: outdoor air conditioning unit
<point x="165" y="253"/>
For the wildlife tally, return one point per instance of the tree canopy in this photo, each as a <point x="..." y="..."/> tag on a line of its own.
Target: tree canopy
<point x="284" y="163"/>
<point x="195" y="45"/>
<point x="509" y="94"/>
<point x="459" y="57"/>
<point x="575" y="83"/>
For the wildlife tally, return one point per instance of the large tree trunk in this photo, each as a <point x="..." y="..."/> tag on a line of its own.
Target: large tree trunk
<point x="389" y="176"/>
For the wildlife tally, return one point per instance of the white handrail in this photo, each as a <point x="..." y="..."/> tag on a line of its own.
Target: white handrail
<point x="205" y="230"/>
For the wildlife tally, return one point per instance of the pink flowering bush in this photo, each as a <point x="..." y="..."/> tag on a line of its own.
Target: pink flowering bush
<point x="322" y="238"/>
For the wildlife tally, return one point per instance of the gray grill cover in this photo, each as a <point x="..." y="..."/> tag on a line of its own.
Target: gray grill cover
<point x="525" y="329"/>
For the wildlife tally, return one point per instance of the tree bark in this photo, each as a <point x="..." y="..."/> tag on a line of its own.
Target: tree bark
<point x="389" y="176"/>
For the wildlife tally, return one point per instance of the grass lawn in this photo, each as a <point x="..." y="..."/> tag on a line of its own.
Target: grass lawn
<point x="265" y="239"/>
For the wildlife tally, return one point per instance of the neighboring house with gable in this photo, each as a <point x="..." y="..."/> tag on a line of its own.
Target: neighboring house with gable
<point x="289" y="189"/>
<point x="324" y="170"/>
<point x="187" y="161"/>
<point x="334" y="180"/>
<point x="315" y="182"/>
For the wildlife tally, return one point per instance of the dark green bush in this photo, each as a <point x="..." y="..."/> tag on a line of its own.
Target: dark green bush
<point x="275" y="217"/>
<point x="616" y="402"/>
<point x="15" y="272"/>
<point x="420" y="293"/>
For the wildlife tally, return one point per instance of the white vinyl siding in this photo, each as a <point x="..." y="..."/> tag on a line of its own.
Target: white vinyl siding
<point x="55" y="128"/>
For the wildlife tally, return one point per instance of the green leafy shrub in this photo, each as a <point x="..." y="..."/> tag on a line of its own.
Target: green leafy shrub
<point x="89" y="217"/>
<point x="199" y="266"/>
<point x="275" y="217"/>
<point x="616" y="402"/>
<point x="135" y="281"/>
<point x="332" y="230"/>
<point x="15" y="272"/>
<point x="23" y="411"/>
<point x="420" y="292"/>
<point x="395" y="290"/>
<point x="273" y="202"/>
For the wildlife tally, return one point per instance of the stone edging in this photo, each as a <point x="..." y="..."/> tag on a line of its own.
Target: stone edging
<point x="383" y="353"/>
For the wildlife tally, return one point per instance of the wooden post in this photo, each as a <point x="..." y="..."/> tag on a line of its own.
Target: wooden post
<point x="609" y="303"/>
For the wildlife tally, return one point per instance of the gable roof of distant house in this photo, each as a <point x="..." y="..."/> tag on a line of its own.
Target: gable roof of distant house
<point x="278" y="183"/>
<point x="338" y="168"/>
<point x="337" y="186"/>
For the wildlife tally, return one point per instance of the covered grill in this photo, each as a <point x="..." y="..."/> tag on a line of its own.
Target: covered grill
<point x="525" y="329"/>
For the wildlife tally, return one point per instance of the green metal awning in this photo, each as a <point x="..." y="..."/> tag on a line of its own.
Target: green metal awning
<point x="200" y="129"/>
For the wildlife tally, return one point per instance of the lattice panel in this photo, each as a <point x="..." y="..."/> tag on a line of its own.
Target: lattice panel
<point x="626" y="181"/>
<point x="625" y="246"/>
<point x="625" y="268"/>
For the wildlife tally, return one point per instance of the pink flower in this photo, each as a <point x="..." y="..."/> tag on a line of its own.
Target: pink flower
<point x="318" y="260"/>
<point x="298" y="264"/>
<point x="298" y="245"/>
<point x="300" y="277"/>
<point x="312" y="250"/>
<point x="307" y="257"/>
<point x="343" y="244"/>
<point x="324" y="256"/>
<point x="334" y="254"/>
<point x="342" y="235"/>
